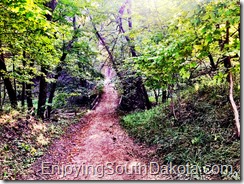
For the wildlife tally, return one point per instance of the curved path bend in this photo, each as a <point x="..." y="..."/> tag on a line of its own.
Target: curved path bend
<point x="97" y="148"/>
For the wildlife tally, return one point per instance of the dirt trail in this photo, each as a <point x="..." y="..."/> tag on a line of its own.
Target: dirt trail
<point x="95" y="146"/>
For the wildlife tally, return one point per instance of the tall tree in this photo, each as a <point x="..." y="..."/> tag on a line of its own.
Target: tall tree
<point x="141" y="92"/>
<point x="59" y="68"/>
<point x="7" y="82"/>
<point x="44" y="69"/>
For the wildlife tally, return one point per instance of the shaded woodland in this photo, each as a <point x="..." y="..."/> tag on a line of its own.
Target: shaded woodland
<point x="174" y="64"/>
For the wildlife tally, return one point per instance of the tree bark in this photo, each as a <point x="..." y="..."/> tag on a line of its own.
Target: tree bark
<point x="128" y="39"/>
<point x="23" y="92"/>
<point x="52" y="5"/>
<point x="234" y="107"/>
<point x="7" y="83"/>
<point x="228" y="65"/>
<point x="4" y="95"/>
<point x="42" y="93"/>
<point x="156" y="96"/>
<point x="212" y="62"/>
<point x="164" y="96"/>
<point x="146" y="98"/>
<point x="15" y="85"/>
<point x="29" y="91"/>
<point x="29" y="96"/>
<point x="110" y="54"/>
<point x="52" y="90"/>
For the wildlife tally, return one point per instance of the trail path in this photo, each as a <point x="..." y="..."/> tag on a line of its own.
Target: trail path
<point x="98" y="141"/>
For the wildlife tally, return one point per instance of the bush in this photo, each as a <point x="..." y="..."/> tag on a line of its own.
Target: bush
<point x="203" y="134"/>
<point x="60" y="100"/>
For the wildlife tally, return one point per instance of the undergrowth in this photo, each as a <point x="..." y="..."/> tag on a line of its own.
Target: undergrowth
<point x="201" y="132"/>
<point x="25" y="138"/>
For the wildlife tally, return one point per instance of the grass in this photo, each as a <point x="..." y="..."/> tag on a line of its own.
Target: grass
<point x="202" y="134"/>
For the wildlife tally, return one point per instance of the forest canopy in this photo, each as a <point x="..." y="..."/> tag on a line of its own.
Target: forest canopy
<point x="180" y="55"/>
<point x="151" y="45"/>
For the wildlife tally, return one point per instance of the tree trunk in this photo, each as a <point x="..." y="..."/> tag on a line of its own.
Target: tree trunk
<point x="7" y="83"/>
<point x="146" y="98"/>
<point x="164" y="96"/>
<point x="52" y="90"/>
<point x="172" y="104"/>
<point x="59" y="69"/>
<point x="23" y="83"/>
<point x="1" y="107"/>
<point x="156" y="96"/>
<point x="228" y="65"/>
<point x="212" y="62"/>
<point x="141" y="90"/>
<point x="52" y="5"/>
<point x="42" y="93"/>
<point x="29" y="91"/>
<point x="110" y="54"/>
<point x="234" y="107"/>
<point x="43" y="84"/>
<point x="23" y="94"/>
<point x="29" y="96"/>
<point x="15" y="86"/>
<point x="4" y="95"/>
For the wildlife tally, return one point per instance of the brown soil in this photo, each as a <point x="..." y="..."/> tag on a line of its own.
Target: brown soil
<point x="98" y="141"/>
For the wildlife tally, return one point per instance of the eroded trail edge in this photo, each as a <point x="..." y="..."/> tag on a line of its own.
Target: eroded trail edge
<point x="95" y="149"/>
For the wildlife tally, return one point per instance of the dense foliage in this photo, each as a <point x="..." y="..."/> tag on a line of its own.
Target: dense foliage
<point x="176" y="62"/>
<point x="38" y="41"/>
